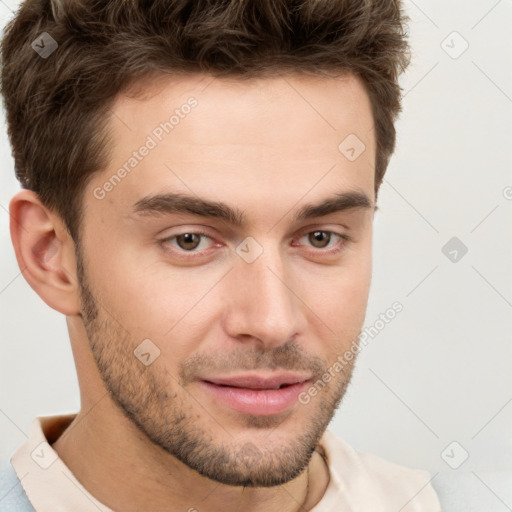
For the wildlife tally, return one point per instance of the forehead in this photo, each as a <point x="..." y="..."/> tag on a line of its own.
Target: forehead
<point x="258" y="137"/>
<point x="333" y="104"/>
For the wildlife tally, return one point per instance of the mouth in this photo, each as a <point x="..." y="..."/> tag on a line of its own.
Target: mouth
<point x="249" y="387"/>
<point x="255" y="394"/>
<point x="253" y="381"/>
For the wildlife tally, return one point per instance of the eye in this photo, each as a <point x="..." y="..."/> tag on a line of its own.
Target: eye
<point x="187" y="242"/>
<point x="322" y="239"/>
<point x="191" y="244"/>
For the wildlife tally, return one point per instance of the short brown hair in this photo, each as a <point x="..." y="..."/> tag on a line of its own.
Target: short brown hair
<point x="58" y="107"/>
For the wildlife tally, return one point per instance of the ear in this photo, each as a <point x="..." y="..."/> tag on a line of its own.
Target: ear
<point x="45" y="252"/>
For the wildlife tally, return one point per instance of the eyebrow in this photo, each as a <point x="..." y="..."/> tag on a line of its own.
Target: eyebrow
<point x="168" y="203"/>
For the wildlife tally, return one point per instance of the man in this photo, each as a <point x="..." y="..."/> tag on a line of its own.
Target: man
<point x="199" y="183"/>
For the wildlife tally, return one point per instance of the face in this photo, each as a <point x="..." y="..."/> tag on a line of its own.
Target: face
<point x="237" y="244"/>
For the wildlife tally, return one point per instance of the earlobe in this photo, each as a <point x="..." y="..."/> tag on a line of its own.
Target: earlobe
<point x="45" y="252"/>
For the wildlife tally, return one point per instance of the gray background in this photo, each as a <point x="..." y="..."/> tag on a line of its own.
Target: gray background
<point x="435" y="383"/>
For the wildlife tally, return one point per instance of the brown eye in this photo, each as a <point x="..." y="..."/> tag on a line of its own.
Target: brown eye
<point x="319" y="239"/>
<point x="188" y="241"/>
<point x="189" y="244"/>
<point x="324" y="242"/>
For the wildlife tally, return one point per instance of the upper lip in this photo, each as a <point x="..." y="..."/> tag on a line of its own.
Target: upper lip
<point x="254" y="381"/>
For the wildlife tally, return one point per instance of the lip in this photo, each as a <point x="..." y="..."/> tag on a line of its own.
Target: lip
<point x="257" y="399"/>
<point x="254" y="381"/>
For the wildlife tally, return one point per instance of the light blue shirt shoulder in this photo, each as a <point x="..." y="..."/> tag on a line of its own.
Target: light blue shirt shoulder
<point x="473" y="490"/>
<point x="12" y="495"/>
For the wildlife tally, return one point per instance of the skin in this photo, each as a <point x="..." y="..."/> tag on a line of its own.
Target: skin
<point x="149" y="437"/>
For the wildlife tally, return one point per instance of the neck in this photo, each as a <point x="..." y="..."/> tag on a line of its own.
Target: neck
<point x="98" y="456"/>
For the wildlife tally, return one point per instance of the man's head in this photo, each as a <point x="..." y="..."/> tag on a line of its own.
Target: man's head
<point x="202" y="180"/>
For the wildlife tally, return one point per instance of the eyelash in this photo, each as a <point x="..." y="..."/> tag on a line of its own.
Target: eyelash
<point x="344" y="239"/>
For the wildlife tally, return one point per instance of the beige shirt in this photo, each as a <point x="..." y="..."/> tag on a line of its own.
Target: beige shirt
<point x="359" y="481"/>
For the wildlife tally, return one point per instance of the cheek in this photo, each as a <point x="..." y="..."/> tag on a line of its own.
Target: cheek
<point x="151" y="299"/>
<point x="338" y="299"/>
<point x="343" y="301"/>
<point x="128" y="290"/>
<point x="340" y="291"/>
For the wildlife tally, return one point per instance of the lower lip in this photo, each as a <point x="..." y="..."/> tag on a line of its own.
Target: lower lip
<point x="263" y="402"/>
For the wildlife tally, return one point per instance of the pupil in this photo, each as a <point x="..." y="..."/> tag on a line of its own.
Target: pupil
<point x="189" y="241"/>
<point x="320" y="238"/>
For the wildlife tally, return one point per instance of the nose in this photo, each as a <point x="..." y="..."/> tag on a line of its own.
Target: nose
<point x="263" y="301"/>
